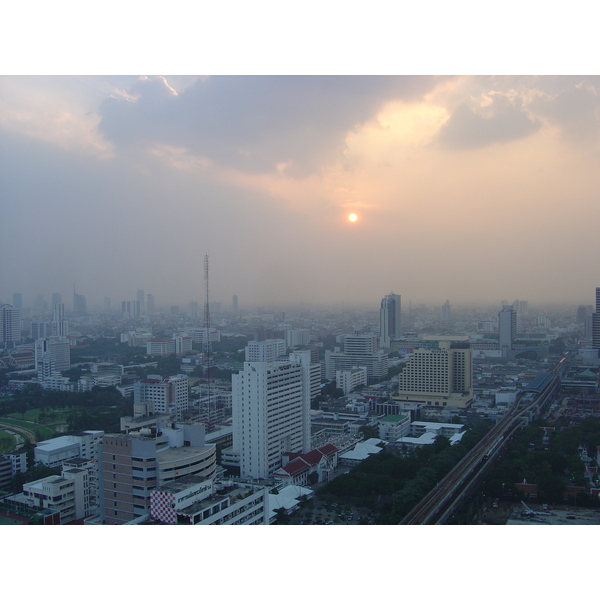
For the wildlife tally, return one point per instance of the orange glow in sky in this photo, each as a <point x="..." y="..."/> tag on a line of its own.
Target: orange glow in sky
<point x="352" y="217"/>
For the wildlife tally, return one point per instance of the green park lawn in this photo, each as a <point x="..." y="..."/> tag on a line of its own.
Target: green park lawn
<point x="52" y="416"/>
<point x="41" y="431"/>
<point x="7" y="442"/>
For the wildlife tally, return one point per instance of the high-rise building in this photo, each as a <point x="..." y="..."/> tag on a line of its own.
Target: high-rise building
<point x="266" y="351"/>
<point x="440" y="374"/>
<point x="133" y="464"/>
<point x="169" y="394"/>
<point x="389" y="319"/>
<point x="446" y="310"/>
<point x="596" y="323"/>
<point x="141" y="298"/>
<point x="150" y="302"/>
<point x="106" y="304"/>
<point x="234" y="303"/>
<point x="271" y="411"/>
<point x="131" y="308"/>
<point x="193" y="309"/>
<point x="59" y="326"/>
<point x="10" y="325"/>
<point x="17" y="300"/>
<point x="52" y="356"/>
<point x="79" y="304"/>
<point x="507" y="328"/>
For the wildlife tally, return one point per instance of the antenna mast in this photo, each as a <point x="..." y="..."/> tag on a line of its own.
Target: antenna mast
<point x="207" y="345"/>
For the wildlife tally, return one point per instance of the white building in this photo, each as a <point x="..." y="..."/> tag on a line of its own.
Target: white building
<point x="389" y="319"/>
<point x="10" y="326"/>
<point x="195" y="500"/>
<point x="67" y="493"/>
<point x="507" y="329"/>
<point x="52" y="357"/>
<point x="440" y="374"/>
<point x="297" y="337"/>
<point x="391" y="427"/>
<point x="351" y="378"/>
<point x="170" y="395"/>
<point x="271" y="412"/>
<point x="266" y="351"/>
<point x="55" y="451"/>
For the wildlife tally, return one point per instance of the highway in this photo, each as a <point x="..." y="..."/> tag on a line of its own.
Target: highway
<point x="445" y="499"/>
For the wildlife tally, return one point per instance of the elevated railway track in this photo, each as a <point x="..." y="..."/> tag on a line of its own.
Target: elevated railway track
<point x="445" y="499"/>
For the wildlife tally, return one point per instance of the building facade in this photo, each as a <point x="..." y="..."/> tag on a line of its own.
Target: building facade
<point x="440" y="375"/>
<point x="170" y="395"/>
<point x="389" y="319"/>
<point x="271" y="411"/>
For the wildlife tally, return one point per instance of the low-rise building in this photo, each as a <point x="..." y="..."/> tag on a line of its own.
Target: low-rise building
<point x="392" y="427"/>
<point x="195" y="500"/>
<point x="55" y="451"/>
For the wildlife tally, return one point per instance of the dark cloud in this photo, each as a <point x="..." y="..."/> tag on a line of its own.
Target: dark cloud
<point x="502" y="122"/>
<point x="253" y="123"/>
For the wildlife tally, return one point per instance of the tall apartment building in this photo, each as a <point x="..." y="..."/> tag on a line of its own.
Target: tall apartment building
<point x="507" y="328"/>
<point x="271" y="411"/>
<point x="58" y="326"/>
<point x="389" y="319"/>
<point x="52" y="356"/>
<point x="79" y="305"/>
<point x="265" y="351"/>
<point x="150" y="302"/>
<point x="170" y="395"/>
<point x="132" y="465"/>
<point x="440" y="375"/>
<point x="10" y="325"/>
<point x="131" y="308"/>
<point x="596" y="323"/>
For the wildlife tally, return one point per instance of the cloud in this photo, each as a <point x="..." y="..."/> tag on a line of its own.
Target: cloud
<point x="497" y="118"/>
<point x="255" y="124"/>
<point x="575" y="108"/>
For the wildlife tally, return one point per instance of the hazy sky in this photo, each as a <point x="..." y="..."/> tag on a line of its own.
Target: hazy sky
<point x="467" y="188"/>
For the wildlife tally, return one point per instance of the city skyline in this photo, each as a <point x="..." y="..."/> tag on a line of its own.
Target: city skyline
<point x="468" y="188"/>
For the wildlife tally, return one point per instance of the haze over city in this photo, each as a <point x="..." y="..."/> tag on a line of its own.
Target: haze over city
<point x="468" y="188"/>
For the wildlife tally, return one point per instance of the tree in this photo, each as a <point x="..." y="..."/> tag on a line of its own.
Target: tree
<point x="368" y="431"/>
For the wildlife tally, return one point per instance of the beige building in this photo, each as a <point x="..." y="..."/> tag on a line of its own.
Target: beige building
<point x="439" y="374"/>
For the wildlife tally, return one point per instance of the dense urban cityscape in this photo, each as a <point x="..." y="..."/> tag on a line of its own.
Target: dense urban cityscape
<point x="299" y="301"/>
<point x="218" y="413"/>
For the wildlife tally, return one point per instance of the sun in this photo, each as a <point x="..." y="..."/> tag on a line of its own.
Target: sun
<point x="353" y="217"/>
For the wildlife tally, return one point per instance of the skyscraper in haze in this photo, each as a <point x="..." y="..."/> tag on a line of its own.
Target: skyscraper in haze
<point x="150" y="302"/>
<point x="10" y="325"/>
<point x="59" y="323"/>
<point x="17" y="300"/>
<point x="389" y="319"/>
<point x="234" y="303"/>
<point x="79" y="304"/>
<point x="507" y="328"/>
<point x="141" y="297"/>
<point x="596" y="322"/>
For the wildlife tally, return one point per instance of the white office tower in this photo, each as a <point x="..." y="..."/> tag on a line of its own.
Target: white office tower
<point x="52" y="357"/>
<point x="59" y="324"/>
<point x="507" y="329"/>
<point x="440" y="374"/>
<point x="10" y="326"/>
<point x="169" y="394"/>
<point x="271" y="412"/>
<point x="389" y="319"/>
<point x="266" y="351"/>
